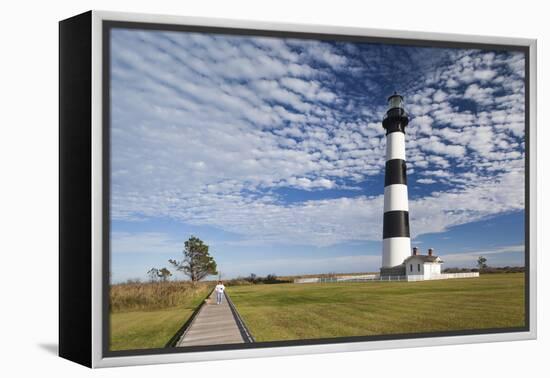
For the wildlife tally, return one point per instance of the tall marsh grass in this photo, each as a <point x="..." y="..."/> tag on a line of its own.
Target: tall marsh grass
<point x="155" y="295"/>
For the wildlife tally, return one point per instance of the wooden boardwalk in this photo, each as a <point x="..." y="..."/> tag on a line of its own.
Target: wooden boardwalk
<point x="213" y="325"/>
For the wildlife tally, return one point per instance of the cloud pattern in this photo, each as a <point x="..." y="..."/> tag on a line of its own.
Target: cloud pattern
<point x="215" y="129"/>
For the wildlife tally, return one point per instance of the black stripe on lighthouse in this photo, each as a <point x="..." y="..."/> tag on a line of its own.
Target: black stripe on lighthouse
<point x="396" y="172"/>
<point x="396" y="224"/>
<point x="393" y="127"/>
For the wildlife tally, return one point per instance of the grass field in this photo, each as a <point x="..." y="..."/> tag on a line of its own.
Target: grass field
<point x="148" y="315"/>
<point x="306" y="311"/>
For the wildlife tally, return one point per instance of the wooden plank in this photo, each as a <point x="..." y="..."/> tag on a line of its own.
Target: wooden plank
<point x="213" y="325"/>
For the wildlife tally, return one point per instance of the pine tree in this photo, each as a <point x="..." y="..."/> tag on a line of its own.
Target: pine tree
<point x="197" y="262"/>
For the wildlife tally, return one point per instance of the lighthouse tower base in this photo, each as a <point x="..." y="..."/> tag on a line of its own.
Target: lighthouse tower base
<point x="398" y="270"/>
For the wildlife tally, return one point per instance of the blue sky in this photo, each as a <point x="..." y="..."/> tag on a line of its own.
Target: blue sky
<point x="272" y="151"/>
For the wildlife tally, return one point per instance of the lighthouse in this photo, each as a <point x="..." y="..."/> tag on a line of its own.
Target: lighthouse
<point x="396" y="235"/>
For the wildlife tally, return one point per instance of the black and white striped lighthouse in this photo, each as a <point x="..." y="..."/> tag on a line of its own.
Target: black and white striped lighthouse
<point x="396" y="234"/>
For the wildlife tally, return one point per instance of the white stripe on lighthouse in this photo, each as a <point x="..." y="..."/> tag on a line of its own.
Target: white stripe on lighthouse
<point x="395" y="147"/>
<point x="396" y="197"/>
<point x="395" y="251"/>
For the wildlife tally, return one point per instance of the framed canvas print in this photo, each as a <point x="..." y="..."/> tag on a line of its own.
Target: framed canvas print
<point x="235" y="189"/>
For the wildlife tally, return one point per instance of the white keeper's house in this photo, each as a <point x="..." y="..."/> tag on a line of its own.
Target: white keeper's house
<point x="422" y="267"/>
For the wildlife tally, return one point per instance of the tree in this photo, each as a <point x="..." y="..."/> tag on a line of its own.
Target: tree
<point x="271" y="278"/>
<point x="197" y="262"/>
<point x="153" y="274"/>
<point x="164" y="274"/>
<point x="481" y="262"/>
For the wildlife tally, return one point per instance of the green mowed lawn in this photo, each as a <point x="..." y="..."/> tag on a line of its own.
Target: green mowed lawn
<point x="306" y="311"/>
<point x="151" y="329"/>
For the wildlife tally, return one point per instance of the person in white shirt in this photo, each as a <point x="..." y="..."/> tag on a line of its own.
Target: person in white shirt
<point x="219" y="292"/>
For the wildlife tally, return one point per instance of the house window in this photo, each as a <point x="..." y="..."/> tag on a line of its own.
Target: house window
<point x="411" y="267"/>
<point x="419" y="267"/>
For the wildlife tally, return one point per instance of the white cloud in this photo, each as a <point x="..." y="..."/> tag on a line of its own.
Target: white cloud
<point x="426" y="181"/>
<point x="479" y="94"/>
<point x="484" y="75"/>
<point x="309" y="89"/>
<point x="482" y="139"/>
<point x="207" y="133"/>
<point x="144" y="242"/>
<point x="452" y="83"/>
<point x="322" y="53"/>
<point x="434" y="144"/>
<point x="470" y="257"/>
<point x="423" y="123"/>
<point x="438" y="212"/>
<point x="439" y="96"/>
<point x="328" y="222"/>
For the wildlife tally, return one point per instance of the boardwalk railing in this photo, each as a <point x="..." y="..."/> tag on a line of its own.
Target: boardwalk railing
<point x="245" y="332"/>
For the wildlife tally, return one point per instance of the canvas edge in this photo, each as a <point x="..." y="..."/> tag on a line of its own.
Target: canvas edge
<point x="97" y="238"/>
<point x="533" y="189"/>
<point x="74" y="252"/>
<point x="97" y="191"/>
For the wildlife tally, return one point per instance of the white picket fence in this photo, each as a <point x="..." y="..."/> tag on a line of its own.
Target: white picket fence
<point x="377" y="277"/>
<point x="357" y="278"/>
<point x="445" y="276"/>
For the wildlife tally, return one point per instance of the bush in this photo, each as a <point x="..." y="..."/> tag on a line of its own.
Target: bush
<point x="460" y="270"/>
<point x="238" y="282"/>
<point x="488" y="270"/>
<point x="257" y="280"/>
<point x="154" y="295"/>
<point x="506" y="269"/>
